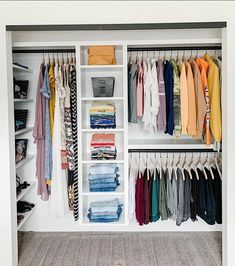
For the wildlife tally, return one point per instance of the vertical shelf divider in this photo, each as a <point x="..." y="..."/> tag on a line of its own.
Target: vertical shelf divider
<point x="79" y="130"/>
<point x="125" y="124"/>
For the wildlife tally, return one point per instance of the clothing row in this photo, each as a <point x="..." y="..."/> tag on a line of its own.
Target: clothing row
<point x="178" y="97"/>
<point x="102" y="115"/>
<point x="179" y="195"/>
<point x="103" y="146"/>
<point x="103" y="177"/>
<point x="105" y="211"/>
<point x="55" y="133"/>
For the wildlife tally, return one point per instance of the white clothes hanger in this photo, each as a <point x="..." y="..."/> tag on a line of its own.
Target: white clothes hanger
<point x="217" y="165"/>
<point x="160" y="163"/>
<point x="186" y="166"/>
<point x="174" y="167"/>
<point x="194" y="167"/>
<point x="179" y="164"/>
<point x="202" y="166"/>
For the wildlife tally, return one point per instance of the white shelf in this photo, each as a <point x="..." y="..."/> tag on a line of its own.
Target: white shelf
<point x="16" y="67"/>
<point x="102" y="99"/>
<point x="23" y="100"/>
<point x="117" y="129"/>
<point x="24" y="161"/>
<point x="26" y="217"/>
<point x="87" y="159"/>
<point x="22" y="131"/>
<point x="167" y="144"/>
<point x="100" y="66"/>
<point x="26" y="190"/>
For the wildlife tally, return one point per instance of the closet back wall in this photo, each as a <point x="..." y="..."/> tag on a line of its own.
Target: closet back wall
<point x="28" y="13"/>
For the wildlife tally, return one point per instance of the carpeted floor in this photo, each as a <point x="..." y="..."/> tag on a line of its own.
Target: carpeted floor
<point x="120" y="249"/>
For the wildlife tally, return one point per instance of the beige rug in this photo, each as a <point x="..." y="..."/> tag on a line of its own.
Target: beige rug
<point x="122" y="249"/>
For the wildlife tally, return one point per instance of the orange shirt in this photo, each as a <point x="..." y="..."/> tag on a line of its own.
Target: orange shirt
<point x="192" y="119"/>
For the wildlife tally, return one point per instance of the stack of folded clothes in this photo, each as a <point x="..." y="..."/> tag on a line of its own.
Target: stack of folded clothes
<point x="103" y="115"/>
<point x="103" y="177"/>
<point x="103" y="147"/>
<point x="105" y="211"/>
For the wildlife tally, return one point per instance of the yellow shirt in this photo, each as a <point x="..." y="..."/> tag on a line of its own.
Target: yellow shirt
<point x="214" y="95"/>
<point x="52" y="99"/>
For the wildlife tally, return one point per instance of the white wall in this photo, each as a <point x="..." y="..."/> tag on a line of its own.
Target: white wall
<point x="53" y="12"/>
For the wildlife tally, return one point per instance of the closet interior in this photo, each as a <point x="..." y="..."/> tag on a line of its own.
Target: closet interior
<point x="104" y="129"/>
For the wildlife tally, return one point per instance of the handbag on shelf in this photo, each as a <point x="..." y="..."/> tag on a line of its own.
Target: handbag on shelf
<point x="101" y="55"/>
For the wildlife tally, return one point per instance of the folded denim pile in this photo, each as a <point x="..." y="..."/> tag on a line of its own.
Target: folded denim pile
<point x="103" y="177"/>
<point x="103" y="147"/>
<point x="103" y="115"/>
<point x="104" y="211"/>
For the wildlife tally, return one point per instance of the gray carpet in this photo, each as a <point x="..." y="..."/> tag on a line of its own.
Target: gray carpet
<point x="119" y="249"/>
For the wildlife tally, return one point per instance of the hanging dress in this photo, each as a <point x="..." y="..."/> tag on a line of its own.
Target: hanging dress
<point x="73" y="189"/>
<point x="59" y="198"/>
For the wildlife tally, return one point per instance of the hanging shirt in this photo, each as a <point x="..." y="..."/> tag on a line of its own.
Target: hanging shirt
<point x="171" y="195"/>
<point x="168" y="79"/>
<point x="140" y="90"/>
<point x="132" y="101"/>
<point x="176" y="99"/>
<point x="155" y="187"/>
<point x="39" y="137"/>
<point x="45" y="91"/>
<point x="183" y="98"/>
<point x="154" y="96"/>
<point x="146" y="196"/>
<point x="161" y="118"/>
<point x="163" y="198"/>
<point x="214" y="95"/>
<point x="217" y="189"/>
<point x="192" y="124"/>
<point x="195" y="196"/>
<point x="187" y="195"/>
<point x="147" y="116"/>
<point x="180" y="197"/>
<point x="203" y="66"/>
<point x="200" y="99"/>
<point x="52" y="99"/>
<point x="139" y="199"/>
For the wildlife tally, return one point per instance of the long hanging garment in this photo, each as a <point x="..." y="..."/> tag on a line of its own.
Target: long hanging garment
<point x="59" y="198"/>
<point x="73" y="104"/>
<point x="39" y="137"/>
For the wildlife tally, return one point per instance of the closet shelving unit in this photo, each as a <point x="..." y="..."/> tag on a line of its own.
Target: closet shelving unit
<point x="85" y="72"/>
<point x="127" y="136"/>
<point x="22" y="104"/>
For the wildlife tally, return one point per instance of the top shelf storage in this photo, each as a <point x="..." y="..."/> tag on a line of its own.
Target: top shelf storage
<point x="84" y="58"/>
<point x="19" y="68"/>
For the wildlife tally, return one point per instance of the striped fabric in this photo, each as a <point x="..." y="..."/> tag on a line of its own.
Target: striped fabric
<point x="73" y="104"/>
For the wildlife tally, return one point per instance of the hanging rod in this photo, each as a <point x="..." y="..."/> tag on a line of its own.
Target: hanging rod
<point x="169" y="150"/>
<point x="38" y="51"/>
<point x="174" y="48"/>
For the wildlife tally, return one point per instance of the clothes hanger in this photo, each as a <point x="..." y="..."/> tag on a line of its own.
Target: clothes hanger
<point x="194" y="167"/>
<point x="179" y="164"/>
<point x="155" y="168"/>
<point x="160" y="162"/>
<point x="139" y="166"/>
<point x="173" y="163"/>
<point x="186" y="166"/>
<point x="202" y="166"/>
<point x="217" y="165"/>
<point x="208" y="165"/>
<point x="43" y="58"/>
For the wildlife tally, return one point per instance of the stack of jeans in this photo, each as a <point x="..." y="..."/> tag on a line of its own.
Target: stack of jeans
<point x="103" y="147"/>
<point x="105" y="211"/>
<point x="103" y="115"/>
<point x="103" y="177"/>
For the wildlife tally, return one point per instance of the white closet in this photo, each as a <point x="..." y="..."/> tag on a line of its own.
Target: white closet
<point x="127" y="136"/>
